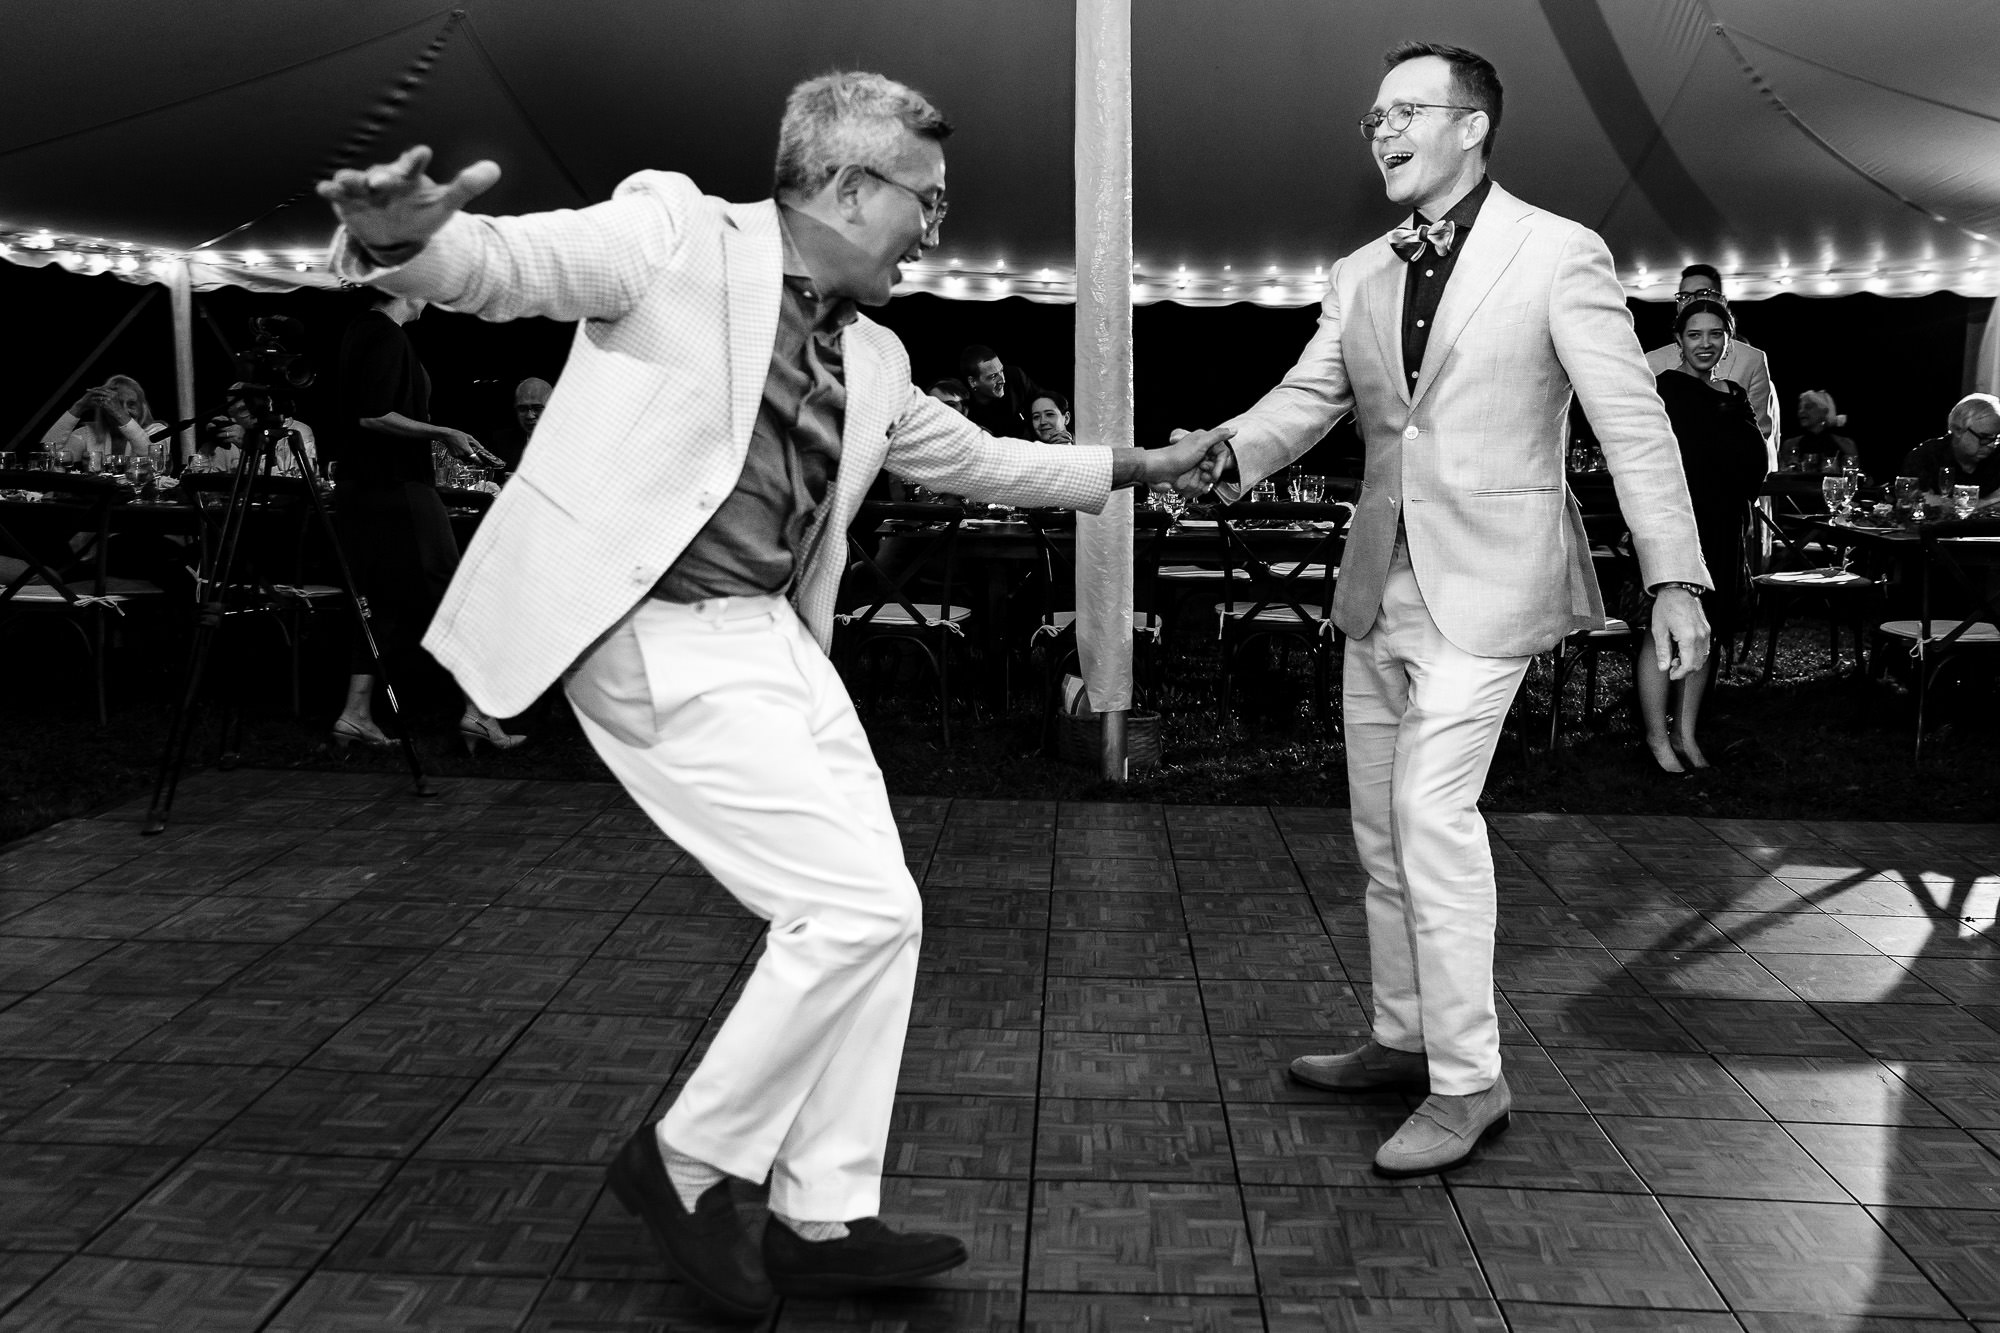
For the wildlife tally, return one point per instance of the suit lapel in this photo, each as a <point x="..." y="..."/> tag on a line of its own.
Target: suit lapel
<point x="754" y="253"/>
<point x="1384" y="293"/>
<point x="1496" y="237"/>
<point x="860" y="370"/>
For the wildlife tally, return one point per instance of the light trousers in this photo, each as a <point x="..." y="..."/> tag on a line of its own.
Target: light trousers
<point x="730" y="728"/>
<point x="1423" y="718"/>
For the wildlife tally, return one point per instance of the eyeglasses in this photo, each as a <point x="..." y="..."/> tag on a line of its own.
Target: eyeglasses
<point x="1399" y="116"/>
<point x="1986" y="439"/>
<point x="934" y="209"/>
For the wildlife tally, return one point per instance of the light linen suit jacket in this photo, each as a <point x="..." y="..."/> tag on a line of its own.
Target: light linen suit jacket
<point x="677" y="295"/>
<point x="1472" y="459"/>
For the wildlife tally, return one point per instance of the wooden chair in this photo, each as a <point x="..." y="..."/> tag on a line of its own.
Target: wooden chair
<point x="918" y="555"/>
<point x="1054" y="635"/>
<point x="1971" y="564"/>
<point x="1286" y="593"/>
<point x="58" y="562"/>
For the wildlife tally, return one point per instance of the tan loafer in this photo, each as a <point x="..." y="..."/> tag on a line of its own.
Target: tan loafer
<point x="1445" y="1131"/>
<point x="1365" y="1069"/>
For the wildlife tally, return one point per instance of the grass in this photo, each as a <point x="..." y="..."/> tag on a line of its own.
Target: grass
<point x="1810" y="745"/>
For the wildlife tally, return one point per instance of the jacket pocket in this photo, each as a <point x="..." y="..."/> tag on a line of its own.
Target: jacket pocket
<point x="1518" y="490"/>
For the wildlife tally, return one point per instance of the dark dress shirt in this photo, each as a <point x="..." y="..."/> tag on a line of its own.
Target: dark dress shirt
<point x="751" y="543"/>
<point x="1932" y="457"/>
<point x="1429" y="272"/>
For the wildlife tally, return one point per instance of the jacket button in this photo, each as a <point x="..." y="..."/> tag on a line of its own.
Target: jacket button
<point x="1410" y="432"/>
<point x="639" y="574"/>
<point x="709" y="500"/>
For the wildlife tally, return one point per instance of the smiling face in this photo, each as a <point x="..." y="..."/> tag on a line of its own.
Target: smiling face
<point x="1703" y="340"/>
<point x="1432" y="164"/>
<point x="889" y="223"/>
<point x="1051" y="423"/>
<point x="989" y="380"/>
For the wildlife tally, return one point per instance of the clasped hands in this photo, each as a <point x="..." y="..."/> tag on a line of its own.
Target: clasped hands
<point x="1198" y="477"/>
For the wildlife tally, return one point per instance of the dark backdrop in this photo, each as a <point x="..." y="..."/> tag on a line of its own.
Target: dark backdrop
<point x="1894" y="365"/>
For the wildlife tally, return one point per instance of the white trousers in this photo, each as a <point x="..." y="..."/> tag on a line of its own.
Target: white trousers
<point x="1423" y="719"/>
<point x="730" y="728"/>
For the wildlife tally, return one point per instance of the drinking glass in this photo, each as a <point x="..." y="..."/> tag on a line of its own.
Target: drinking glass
<point x="1309" y="489"/>
<point x="1831" y="489"/>
<point x="1964" y="499"/>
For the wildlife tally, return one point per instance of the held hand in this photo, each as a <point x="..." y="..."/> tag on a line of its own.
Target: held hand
<point x="1680" y="633"/>
<point x="397" y="204"/>
<point x="461" y="444"/>
<point x="1191" y="454"/>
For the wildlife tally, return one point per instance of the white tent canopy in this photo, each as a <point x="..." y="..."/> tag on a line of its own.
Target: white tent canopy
<point x="1817" y="146"/>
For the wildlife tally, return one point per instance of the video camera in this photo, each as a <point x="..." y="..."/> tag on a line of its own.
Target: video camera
<point x="268" y="362"/>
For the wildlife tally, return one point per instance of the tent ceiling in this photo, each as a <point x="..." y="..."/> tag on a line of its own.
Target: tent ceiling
<point x="1784" y="140"/>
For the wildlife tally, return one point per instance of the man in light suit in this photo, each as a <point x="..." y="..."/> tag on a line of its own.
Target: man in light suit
<point x="677" y="532"/>
<point x="1742" y="363"/>
<point x="1457" y="343"/>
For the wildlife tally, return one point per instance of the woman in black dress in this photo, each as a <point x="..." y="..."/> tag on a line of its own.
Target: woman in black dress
<point x="1723" y="456"/>
<point x="395" y="528"/>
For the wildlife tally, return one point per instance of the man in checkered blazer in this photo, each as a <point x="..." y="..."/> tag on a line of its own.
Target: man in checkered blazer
<point x="676" y="531"/>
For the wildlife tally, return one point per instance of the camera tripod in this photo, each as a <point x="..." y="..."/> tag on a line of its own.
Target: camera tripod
<point x="221" y="595"/>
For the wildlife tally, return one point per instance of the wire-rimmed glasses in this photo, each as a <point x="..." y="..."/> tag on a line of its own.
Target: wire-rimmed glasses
<point x="934" y="207"/>
<point x="1400" y="114"/>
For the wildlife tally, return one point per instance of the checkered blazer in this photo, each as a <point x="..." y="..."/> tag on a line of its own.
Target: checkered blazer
<point x="676" y="297"/>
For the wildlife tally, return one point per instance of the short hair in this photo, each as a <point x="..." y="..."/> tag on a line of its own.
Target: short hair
<point x="972" y="357"/>
<point x="1704" y="306"/>
<point x="1968" y="407"/>
<point x="957" y="388"/>
<point x="1062" y="403"/>
<point x="1703" y="271"/>
<point x="1474" y="80"/>
<point x="533" y="389"/>
<point x="848" y="116"/>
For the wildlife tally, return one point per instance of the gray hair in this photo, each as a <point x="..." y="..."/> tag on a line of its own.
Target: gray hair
<point x="1968" y="407"/>
<point x="848" y="116"/>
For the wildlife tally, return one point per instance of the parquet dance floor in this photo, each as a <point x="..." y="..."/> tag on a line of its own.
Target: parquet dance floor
<point x="324" y="1057"/>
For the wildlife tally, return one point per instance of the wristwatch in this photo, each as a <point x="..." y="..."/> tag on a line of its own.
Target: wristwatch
<point x="1692" y="589"/>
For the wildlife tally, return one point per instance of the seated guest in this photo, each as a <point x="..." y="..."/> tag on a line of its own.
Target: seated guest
<point x="248" y="412"/>
<point x="113" y="418"/>
<point x="1964" y="455"/>
<point x="1816" y="448"/>
<point x="531" y="399"/>
<point x="1049" y="415"/>
<point x="1000" y="394"/>
<point x="1743" y="364"/>
<point x="953" y="394"/>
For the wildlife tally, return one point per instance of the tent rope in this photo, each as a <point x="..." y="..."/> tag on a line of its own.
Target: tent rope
<point x="521" y="109"/>
<point x="1771" y="95"/>
<point x="178" y="102"/>
<point x="382" y="113"/>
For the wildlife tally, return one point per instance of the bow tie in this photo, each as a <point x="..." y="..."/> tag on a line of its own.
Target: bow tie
<point x="1408" y="242"/>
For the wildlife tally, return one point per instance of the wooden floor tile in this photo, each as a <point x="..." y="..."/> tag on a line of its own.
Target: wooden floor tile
<point x="462" y="1217"/>
<point x="1550" y="1150"/>
<point x="1814" y="1258"/>
<point x="1127" y="1140"/>
<point x="1153" y="875"/>
<point x="342" y="1113"/>
<point x="1363" y="1314"/>
<point x="1968" y="1094"/>
<point x="1615" y="1022"/>
<point x="1914" y="1031"/>
<point x="975" y="1000"/>
<point x="331" y="1302"/>
<point x="1957" y="1249"/>
<point x="1073" y="1004"/>
<point x="1731" y="1159"/>
<point x="1242" y="1006"/>
<point x="1146" y="843"/>
<point x="1226" y="873"/>
<point x="1114" y="909"/>
<point x="246" y="1031"/>
<point x="1330" y="1141"/>
<point x="1055" y="1312"/>
<point x="132" y="1103"/>
<point x="56" y="1026"/>
<point x="93" y="1292"/>
<point x="25" y="1085"/>
<point x="1848" y="979"/>
<point x="1259" y="958"/>
<point x="1095" y="1237"/>
<point x="990" y="1216"/>
<point x="257" y="1209"/>
<point x="924" y="1309"/>
<point x="59" y="1195"/>
<point x="1161" y="954"/>
<point x="990" y="909"/>
<point x="625" y="986"/>
<point x="1255" y="1068"/>
<point x="1715" y="976"/>
<point x="952" y="1061"/>
<point x="1526" y="1317"/>
<point x="415" y="1037"/>
<point x="1560" y="970"/>
<point x="1922" y="1166"/>
<point x="1571" y="1248"/>
<point x="1760" y="1027"/>
<point x="1380" y="1242"/>
<point x="983" y="1138"/>
<point x="1823" y="1088"/>
<point x="1120" y="1066"/>
<point x="963" y="949"/>
<point x="28" y="963"/>
<point x="982" y="871"/>
<point x="529" y="1120"/>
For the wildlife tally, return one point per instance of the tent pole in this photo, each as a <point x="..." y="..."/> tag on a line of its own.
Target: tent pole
<point x="1104" y="355"/>
<point x="180" y="289"/>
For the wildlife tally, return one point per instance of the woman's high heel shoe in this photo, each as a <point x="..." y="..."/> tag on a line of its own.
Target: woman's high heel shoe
<point x="346" y="733"/>
<point x="476" y="728"/>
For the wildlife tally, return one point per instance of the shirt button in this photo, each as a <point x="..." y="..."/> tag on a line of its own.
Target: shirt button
<point x="1430" y="273"/>
<point x="1420" y="323"/>
<point x="1410" y="433"/>
<point x="639" y="574"/>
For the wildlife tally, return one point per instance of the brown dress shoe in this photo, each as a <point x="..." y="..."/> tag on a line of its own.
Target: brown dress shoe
<point x="708" y="1249"/>
<point x="1364" y="1069"/>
